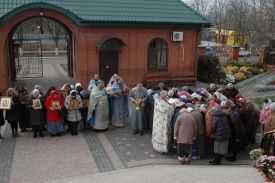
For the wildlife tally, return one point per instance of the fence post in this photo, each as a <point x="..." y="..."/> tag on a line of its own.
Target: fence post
<point x="202" y="50"/>
<point x="234" y="53"/>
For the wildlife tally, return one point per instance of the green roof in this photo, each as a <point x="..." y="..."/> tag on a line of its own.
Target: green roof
<point x="88" y="12"/>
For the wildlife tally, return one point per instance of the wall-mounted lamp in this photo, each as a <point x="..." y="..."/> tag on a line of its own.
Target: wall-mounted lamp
<point x="41" y="13"/>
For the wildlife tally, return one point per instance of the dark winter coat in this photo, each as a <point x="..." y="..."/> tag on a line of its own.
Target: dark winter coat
<point x="37" y="116"/>
<point x="14" y="113"/>
<point x="220" y="126"/>
<point x="2" y="120"/>
<point x="231" y="93"/>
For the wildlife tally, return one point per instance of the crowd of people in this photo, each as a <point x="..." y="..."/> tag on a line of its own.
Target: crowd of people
<point x="209" y="121"/>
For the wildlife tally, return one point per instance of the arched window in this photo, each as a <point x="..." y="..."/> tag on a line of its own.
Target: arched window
<point x="157" y="55"/>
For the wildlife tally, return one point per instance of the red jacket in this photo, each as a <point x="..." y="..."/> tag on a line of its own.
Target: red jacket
<point x="53" y="116"/>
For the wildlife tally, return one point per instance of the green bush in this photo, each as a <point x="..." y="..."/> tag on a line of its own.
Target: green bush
<point x="209" y="69"/>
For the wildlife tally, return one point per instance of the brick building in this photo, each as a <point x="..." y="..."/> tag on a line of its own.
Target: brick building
<point x="141" y="40"/>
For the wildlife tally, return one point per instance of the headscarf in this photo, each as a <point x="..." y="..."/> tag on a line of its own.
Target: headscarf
<point x="214" y="104"/>
<point x="266" y="105"/>
<point x="35" y="91"/>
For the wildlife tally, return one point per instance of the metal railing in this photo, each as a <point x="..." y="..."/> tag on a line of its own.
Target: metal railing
<point x="268" y="143"/>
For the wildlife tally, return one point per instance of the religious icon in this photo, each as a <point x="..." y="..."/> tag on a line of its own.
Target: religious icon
<point x="55" y="105"/>
<point x="138" y="103"/>
<point x="5" y="103"/>
<point x="74" y="105"/>
<point x="62" y="93"/>
<point x="85" y="103"/>
<point x="37" y="104"/>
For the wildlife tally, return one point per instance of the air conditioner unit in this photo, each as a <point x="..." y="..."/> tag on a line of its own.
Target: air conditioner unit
<point x="177" y="36"/>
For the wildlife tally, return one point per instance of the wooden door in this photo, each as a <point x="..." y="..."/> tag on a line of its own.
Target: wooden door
<point x="108" y="64"/>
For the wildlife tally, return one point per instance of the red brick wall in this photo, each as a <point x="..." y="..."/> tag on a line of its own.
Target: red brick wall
<point x="132" y="60"/>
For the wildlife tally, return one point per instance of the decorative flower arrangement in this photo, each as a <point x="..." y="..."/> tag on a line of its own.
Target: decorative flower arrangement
<point x="255" y="155"/>
<point x="240" y="76"/>
<point x="267" y="165"/>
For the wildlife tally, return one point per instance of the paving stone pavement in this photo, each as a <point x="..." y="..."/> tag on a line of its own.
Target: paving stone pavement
<point x="50" y="158"/>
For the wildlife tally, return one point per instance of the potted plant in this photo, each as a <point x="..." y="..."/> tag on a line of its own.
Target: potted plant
<point x="266" y="163"/>
<point x="255" y="155"/>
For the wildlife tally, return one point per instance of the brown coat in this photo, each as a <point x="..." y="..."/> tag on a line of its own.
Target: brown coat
<point x="270" y="123"/>
<point x="185" y="128"/>
<point x="208" y="123"/>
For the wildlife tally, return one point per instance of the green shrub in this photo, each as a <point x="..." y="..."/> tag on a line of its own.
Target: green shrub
<point x="209" y="69"/>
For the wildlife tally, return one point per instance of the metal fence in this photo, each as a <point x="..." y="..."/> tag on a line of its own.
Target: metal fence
<point x="223" y="54"/>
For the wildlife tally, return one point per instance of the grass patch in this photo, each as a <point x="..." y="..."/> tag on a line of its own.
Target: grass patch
<point x="64" y="67"/>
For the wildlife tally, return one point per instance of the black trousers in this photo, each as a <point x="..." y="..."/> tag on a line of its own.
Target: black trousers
<point x="73" y="127"/>
<point x="14" y="126"/>
<point x="218" y="158"/>
<point x="234" y="146"/>
<point x="37" y="129"/>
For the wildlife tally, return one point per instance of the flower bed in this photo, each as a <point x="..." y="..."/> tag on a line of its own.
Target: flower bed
<point x="266" y="85"/>
<point x="236" y="74"/>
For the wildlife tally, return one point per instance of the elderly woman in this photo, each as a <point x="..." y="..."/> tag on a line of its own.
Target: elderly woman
<point x="250" y="118"/>
<point x="161" y="134"/>
<point x="221" y="131"/>
<point x="54" y="104"/>
<point x="73" y="104"/>
<point x="270" y="123"/>
<point x="231" y="92"/>
<point x="265" y="112"/>
<point x="36" y="112"/>
<point x="185" y="131"/>
<point x="212" y="88"/>
<point x="12" y="116"/>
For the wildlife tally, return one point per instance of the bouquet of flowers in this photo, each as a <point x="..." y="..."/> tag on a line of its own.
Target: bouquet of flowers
<point x="255" y="155"/>
<point x="267" y="165"/>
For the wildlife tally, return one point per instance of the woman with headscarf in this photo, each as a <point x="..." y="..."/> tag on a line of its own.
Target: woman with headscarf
<point x="73" y="104"/>
<point x="54" y="104"/>
<point x="36" y="112"/>
<point x="265" y="112"/>
<point x="98" y="111"/>
<point x="250" y="118"/>
<point x="12" y="115"/>
<point x="161" y="134"/>
<point x="78" y="88"/>
<point x="85" y="96"/>
<point x="24" y="115"/>
<point x="118" y="101"/>
<point x="212" y="105"/>
<point x="2" y="120"/>
<point x="221" y="134"/>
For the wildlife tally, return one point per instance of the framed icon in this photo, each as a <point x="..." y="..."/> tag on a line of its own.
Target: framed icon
<point x="86" y="103"/>
<point x="37" y="104"/>
<point x="5" y="103"/>
<point x="74" y="104"/>
<point x="62" y="93"/>
<point x="56" y="105"/>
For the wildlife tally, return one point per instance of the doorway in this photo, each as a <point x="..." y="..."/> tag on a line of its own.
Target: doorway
<point x="109" y="58"/>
